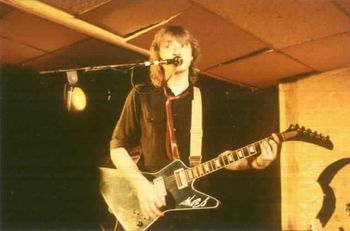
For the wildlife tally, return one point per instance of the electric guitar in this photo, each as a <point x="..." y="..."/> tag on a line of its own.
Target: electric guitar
<point x="176" y="181"/>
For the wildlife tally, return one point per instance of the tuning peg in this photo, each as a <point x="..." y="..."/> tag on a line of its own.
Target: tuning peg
<point x="300" y="129"/>
<point x="308" y="130"/>
<point x="296" y="126"/>
<point x="322" y="137"/>
<point x="327" y="138"/>
<point x="316" y="135"/>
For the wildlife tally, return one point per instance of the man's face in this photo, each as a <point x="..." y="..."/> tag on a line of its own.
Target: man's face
<point x="171" y="48"/>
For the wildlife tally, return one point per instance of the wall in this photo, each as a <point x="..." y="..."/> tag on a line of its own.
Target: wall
<point x="314" y="180"/>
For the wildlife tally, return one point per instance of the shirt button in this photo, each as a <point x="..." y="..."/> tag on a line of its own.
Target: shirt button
<point x="174" y="129"/>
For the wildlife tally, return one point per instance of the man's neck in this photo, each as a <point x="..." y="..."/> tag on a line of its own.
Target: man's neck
<point x="178" y="82"/>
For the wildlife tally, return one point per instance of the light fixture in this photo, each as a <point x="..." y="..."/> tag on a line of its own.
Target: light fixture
<point x="74" y="96"/>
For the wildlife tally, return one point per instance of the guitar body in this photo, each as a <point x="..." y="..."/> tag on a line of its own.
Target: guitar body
<point x="123" y="202"/>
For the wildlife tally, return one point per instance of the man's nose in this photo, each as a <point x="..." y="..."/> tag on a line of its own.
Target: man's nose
<point x="176" y="49"/>
<point x="177" y="52"/>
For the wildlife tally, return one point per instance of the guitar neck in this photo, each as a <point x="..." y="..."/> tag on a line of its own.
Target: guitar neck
<point x="225" y="159"/>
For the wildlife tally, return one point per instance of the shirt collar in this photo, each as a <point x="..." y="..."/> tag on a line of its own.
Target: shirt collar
<point x="189" y="89"/>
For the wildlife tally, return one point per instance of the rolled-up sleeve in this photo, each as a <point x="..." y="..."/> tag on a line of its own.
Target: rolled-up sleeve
<point x="126" y="133"/>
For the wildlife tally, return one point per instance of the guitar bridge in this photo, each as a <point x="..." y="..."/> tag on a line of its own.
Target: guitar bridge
<point x="180" y="177"/>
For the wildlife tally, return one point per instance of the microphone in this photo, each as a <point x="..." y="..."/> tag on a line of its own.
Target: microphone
<point x="177" y="61"/>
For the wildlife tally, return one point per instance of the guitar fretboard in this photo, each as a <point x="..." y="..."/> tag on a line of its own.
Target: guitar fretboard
<point x="225" y="159"/>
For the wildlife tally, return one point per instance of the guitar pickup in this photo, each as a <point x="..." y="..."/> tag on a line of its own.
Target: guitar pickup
<point x="180" y="177"/>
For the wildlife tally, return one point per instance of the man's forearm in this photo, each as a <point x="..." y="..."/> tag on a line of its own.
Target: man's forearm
<point x="122" y="160"/>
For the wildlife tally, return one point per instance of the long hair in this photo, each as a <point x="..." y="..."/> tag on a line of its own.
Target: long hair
<point x="181" y="35"/>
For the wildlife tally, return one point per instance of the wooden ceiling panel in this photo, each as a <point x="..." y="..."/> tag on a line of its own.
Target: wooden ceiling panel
<point x="4" y="9"/>
<point x="145" y="39"/>
<point x="282" y="23"/>
<point x="87" y="53"/>
<point x="51" y="61"/>
<point x="344" y="4"/>
<point x="13" y="52"/>
<point x="37" y="32"/>
<point x="219" y="40"/>
<point x="324" y="54"/>
<point x="261" y="70"/>
<point x="76" y="7"/>
<point x="123" y="17"/>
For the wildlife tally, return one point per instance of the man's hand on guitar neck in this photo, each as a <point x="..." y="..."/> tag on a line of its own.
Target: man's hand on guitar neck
<point x="269" y="150"/>
<point x="150" y="199"/>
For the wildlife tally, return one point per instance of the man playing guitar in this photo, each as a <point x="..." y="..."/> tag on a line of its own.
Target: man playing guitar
<point x="159" y="120"/>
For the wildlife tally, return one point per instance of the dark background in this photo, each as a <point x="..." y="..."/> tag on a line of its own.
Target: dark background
<point x="49" y="157"/>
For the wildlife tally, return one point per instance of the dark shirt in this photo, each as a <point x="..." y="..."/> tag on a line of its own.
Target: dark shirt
<point x="143" y="122"/>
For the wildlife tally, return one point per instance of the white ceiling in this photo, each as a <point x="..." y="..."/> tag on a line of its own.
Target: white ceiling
<point x="254" y="42"/>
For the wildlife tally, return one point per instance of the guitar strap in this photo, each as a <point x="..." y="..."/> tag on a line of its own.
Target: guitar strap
<point x="196" y="128"/>
<point x="171" y="143"/>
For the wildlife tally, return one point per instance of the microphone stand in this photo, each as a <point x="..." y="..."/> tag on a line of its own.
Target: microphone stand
<point x="106" y="67"/>
<point x="93" y="68"/>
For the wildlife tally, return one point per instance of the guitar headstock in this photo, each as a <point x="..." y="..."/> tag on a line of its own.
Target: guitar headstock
<point x="300" y="133"/>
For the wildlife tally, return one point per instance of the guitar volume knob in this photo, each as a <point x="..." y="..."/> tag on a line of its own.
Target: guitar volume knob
<point x="139" y="223"/>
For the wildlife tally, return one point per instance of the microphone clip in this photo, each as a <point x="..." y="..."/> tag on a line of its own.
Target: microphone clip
<point x="177" y="61"/>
